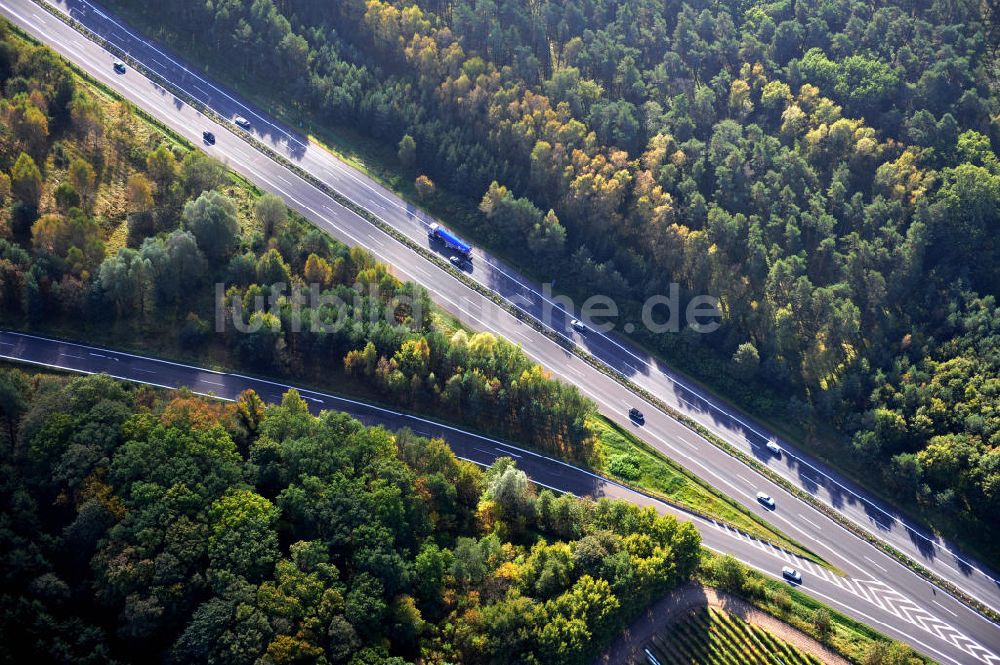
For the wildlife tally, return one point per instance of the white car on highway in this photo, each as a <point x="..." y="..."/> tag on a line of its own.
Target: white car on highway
<point x="765" y="499"/>
<point x="791" y="574"/>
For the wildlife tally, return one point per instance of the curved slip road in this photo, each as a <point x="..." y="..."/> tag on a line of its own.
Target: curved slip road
<point x="862" y="596"/>
<point x="800" y="520"/>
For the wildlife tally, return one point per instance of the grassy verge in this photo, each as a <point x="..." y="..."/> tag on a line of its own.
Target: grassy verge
<point x="632" y="462"/>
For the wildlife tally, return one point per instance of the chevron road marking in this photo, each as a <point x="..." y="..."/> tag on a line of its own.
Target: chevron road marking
<point x="879" y="594"/>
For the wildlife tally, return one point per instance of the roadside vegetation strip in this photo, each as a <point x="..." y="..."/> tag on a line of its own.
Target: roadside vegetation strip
<point x="645" y="470"/>
<point x="388" y="229"/>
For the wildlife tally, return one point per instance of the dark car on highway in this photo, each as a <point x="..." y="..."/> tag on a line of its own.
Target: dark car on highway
<point x="119" y="66"/>
<point x="636" y="416"/>
<point x="208" y="138"/>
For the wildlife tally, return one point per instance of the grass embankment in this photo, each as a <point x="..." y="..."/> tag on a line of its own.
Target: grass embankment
<point x="632" y="462"/>
<point x="709" y="636"/>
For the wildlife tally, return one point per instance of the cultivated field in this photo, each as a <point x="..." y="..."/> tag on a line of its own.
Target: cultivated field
<point x="711" y="637"/>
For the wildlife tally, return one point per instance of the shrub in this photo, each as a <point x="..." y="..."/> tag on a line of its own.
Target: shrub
<point x="626" y="467"/>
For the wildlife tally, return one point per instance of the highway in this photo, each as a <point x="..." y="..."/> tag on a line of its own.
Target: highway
<point x="616" y="352"/>
<point x="965" y="635"/>
<point x="882" y="607"/>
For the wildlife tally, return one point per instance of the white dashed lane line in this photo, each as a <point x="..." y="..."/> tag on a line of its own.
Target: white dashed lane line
<point x="803" y="517"/>
<point x="875" y="564"/>
<point x="944" y="608"/>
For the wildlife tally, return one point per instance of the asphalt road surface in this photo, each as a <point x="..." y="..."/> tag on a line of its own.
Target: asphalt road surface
<point x="860" y="594"/>
<point x="798" y="519"/>
<point x="616" y="352"/>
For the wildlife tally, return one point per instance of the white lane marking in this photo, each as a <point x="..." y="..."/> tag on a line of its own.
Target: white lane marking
<point x="350" y="173"/>
<point x="872" y="562"/>
<point x="851" y="608"/>
<point x="199" y="89"/>
<point x="423" y="272"/>
<point x="212" y="383"/>
<point x="693" y="444"/>
<point x="113" y="376"/>
<point x="448" y="300"/>
<point x="49" y="340"/>
<point x="944" y="608"/>
<point x="144" y="371"/>
<point x="686" y="442"/>
<point x="70" y="355"/>
<point x="810" y="521"/>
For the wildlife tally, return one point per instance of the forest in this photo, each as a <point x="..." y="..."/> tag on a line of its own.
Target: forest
<point x="109" y="223"/>
<point x="145" y="526"/>
<point x="828" y="170"/>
